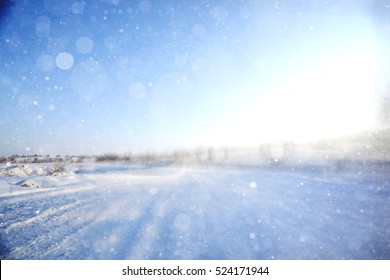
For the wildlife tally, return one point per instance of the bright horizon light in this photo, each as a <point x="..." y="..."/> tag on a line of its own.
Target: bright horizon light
<point x="332" y="99"/>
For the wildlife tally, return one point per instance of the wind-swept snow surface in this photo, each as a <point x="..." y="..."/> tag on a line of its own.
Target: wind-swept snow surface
<point x="211" y="212"/>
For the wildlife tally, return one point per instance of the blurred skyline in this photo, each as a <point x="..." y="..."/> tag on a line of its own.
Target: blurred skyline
<point x="91" y="77"/>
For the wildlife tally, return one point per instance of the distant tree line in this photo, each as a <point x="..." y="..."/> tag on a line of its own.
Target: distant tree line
<point x="15" y="158"/>
<point x="113" y="157"/>
<point x="381" y="137"/>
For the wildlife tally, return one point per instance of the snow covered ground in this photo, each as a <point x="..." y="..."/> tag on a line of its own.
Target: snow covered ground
<point x="123" y="211"/>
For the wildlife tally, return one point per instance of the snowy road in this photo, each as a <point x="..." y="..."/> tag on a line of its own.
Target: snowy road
<point x="197" y="213"/>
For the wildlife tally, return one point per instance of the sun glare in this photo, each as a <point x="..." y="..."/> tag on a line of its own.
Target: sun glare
<point x="332" y="99"/>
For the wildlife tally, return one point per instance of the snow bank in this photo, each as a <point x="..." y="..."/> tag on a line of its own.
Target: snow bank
<point x="28" y="184"/>
<point x="25" y="170"/>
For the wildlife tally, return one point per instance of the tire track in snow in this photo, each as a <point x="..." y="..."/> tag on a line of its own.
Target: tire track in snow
<point x="148" y="233"/>
<point x="97" y="238"/>
<point x="31" y="237"/>
<point x="41" y="217"/>
<point x="119" y="224"/>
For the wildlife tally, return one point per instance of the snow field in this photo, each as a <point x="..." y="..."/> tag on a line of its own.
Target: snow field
<point x="196" y="213"/>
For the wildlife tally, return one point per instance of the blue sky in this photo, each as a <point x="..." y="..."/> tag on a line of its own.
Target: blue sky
<point x="90" y="77"/>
